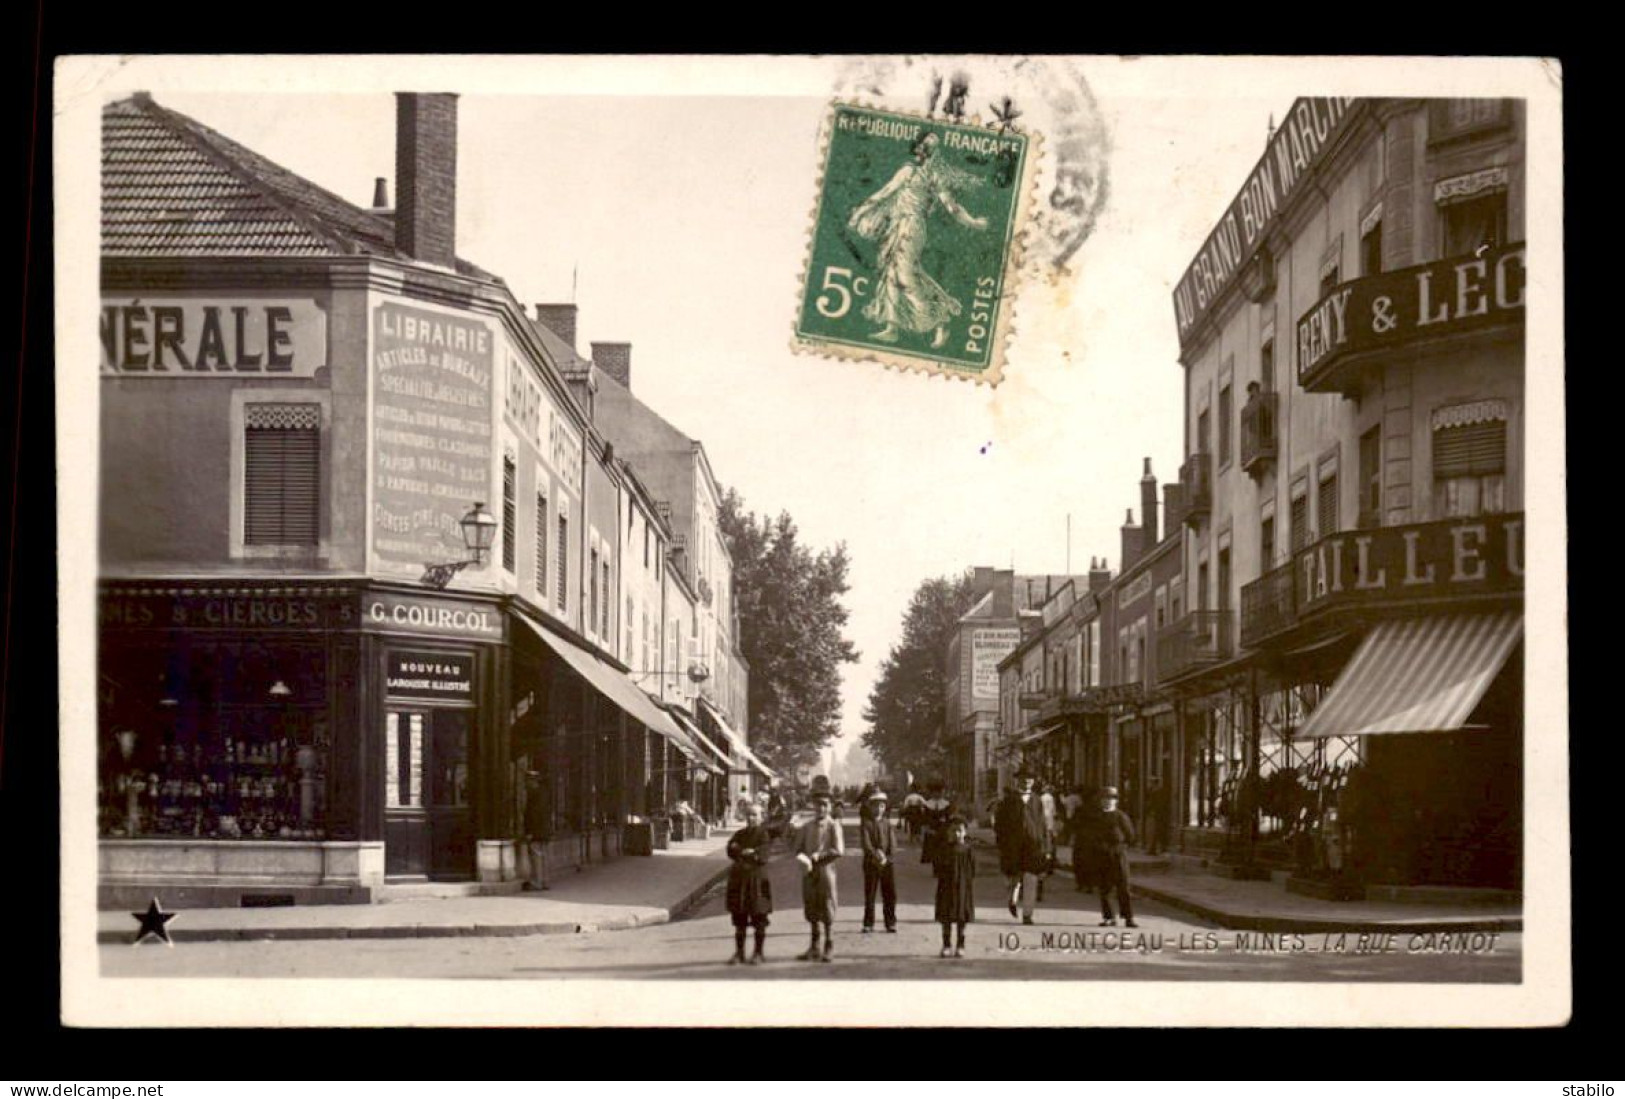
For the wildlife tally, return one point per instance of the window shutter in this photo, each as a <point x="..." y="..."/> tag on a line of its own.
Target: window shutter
<point x="1470" y="450"/>
<point x="541" y="546"/>
<point x="510" y="517"/>
<point x="1299" y="520"/>
<point x="564" y="563"/>
<point x="282" y="467"/>
<point x="1328" y="506"/>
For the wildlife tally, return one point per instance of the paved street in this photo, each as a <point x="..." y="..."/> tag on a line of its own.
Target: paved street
<point x="1064" y="944"/>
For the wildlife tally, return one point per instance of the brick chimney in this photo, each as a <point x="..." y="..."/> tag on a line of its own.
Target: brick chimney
<point x="614" y="359"/>
<point x="1173" y="502"/>
<point x="559" y="318"/>
<point x="1004" y="593"/>
<point x="1131" y="541"/>
<point x="1099" y="574"/>
<point x="426" y="176"/>
<point x="981" y="581"/>
<point x="1148" y="509"/>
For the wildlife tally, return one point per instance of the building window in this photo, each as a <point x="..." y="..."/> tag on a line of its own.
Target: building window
<point x="1371" y="251"/>
<point x="541" y="546"/>
<point x="1224" y="579"/>
<point x="1201" y="587"/>
<point x="1371" y="478"/>
<point x="1328" y="279"/>
<point x="564" y="562"/>
<point x="1327" y="503"/>
<point x="510" y="517"/>
<point x="1469" y="458"/>
<point x="1266" y="366"/>
<point x="645" y="545"/>
<point x="628" y="630"/>
<point x="604" y="631"/>
<point x="1202" y="432"/>
<point x="282" y="474"/>
<point x="1266" y="543"/>
<point x="592" y="588"/>
<point x="1473" y="225"/>
<point x="1453" y="118"/>
<point x="1224" y="426"/>
<point x="1298" y="520"/>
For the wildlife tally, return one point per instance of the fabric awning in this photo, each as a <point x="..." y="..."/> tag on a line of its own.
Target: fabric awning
<point x="698" y="748"/>
<point x="1417" y="675"/>
<point x="606" y="680"/>
<point x="736" y="740"/>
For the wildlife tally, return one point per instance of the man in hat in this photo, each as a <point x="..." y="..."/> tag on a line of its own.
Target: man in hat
<point x="1114" y="833"/>
<point x="879" y="842"/>
<point x="1025" y="845"/>
<point x="817" y="846"/>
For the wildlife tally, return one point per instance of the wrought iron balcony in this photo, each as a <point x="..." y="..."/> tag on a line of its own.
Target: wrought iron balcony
<point x="1268" y="606"/>
<point x="1259" y="432"/>
<point x="1196" y="641"/>
<point x="1196" y="475"/>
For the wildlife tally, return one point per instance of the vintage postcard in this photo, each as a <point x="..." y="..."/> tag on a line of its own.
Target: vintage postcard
<point x="527" y="558"/>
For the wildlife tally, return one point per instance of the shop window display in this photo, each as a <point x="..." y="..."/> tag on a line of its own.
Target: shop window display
<point x="226" y="740"/>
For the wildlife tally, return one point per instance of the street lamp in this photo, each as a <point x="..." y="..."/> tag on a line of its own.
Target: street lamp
<point x="479" y="531"/>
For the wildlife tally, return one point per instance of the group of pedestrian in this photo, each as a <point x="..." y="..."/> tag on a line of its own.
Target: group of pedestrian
<point x="1100" y="835"/>
<point x="817" y="846"/>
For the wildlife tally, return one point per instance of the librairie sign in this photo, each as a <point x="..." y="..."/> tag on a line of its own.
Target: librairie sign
<point x="1305" y="134"/>
<point x="212" y="338"/>
<point x="1433" y="299"/>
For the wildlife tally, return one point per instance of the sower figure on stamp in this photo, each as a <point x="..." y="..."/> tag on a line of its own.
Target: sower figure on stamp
<point x="1024" y="844"/>
<point x="879" y="871"/>
<point x="898" y="214"/>
<point x="1115" y="833"/>
<point x="818" y="845"/>
<point x="955" y="869"/>
<point x="750" y="893"/>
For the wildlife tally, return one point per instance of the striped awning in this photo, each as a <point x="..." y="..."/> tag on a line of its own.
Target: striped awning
<point x="695" y="745"/>
<point x="1417" y="675"/>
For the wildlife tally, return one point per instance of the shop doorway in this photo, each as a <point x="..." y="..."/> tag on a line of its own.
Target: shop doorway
<point x="428" y="826"/>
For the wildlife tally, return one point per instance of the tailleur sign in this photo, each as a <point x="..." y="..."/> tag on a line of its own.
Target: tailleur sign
<point x="207" y="338"/>
<point x="988" y="647"/>
<point x="432" y="385"/>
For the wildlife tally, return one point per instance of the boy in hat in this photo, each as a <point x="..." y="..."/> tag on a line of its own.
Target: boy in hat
<point x="955" y="869"/>
<point x="818" y="845"/>
<point x="750" y="893"/>
<point x="1115" y="833"/>
<point x="879" y="843"/>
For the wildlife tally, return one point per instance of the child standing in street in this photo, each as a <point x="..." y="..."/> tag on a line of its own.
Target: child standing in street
<point x="750" y="893"/>
<point x="818" y="846"/>
<point x="955" y="867"/>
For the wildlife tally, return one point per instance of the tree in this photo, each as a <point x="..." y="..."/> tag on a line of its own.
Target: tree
<point x="790" y="623"/>
<point x="908" y="705"/>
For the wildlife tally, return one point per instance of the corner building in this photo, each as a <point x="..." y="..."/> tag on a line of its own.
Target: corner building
<point x="301" y="400"/>
<point x="1349" y="669"/>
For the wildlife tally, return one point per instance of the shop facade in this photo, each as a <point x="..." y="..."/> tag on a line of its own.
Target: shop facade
<point x="1353" y="341"/>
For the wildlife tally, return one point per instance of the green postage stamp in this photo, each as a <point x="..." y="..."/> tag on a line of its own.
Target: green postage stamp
<point x="915" y="242"/>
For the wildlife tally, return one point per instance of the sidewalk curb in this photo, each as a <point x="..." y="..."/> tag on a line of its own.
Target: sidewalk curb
<point x="428" y="931"/>
<point x="1234" y="921"/>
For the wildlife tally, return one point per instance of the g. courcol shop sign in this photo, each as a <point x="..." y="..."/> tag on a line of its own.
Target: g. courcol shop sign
<point x="393" y="612"/>
<point x="212" y="338"/>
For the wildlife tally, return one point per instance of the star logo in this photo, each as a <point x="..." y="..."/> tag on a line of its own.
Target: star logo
<point x="153" y="922"/>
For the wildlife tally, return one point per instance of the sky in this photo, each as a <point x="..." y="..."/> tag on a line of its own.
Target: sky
<point x="671" y="201"/>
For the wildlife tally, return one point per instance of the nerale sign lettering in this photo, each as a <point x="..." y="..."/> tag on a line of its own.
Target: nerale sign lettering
<point x="193" y="337"/>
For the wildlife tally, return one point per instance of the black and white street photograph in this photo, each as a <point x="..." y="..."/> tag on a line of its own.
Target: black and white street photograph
<point x="1033" y="541"/>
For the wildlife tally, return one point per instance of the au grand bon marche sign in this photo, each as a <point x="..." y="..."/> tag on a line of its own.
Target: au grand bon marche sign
<point x="432" y="407"/>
